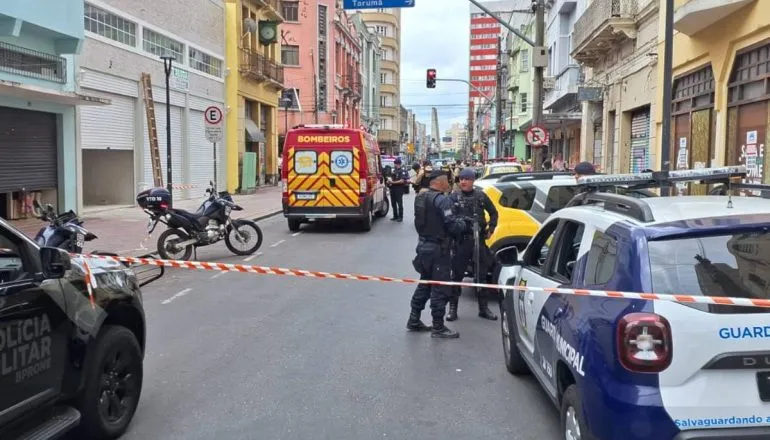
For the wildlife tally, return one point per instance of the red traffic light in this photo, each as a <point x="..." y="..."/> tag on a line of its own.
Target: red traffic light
<point x="431" y="79"/>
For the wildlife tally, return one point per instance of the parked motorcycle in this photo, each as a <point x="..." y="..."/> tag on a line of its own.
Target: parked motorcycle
<point x="64" y="231"/>
<point x="188" y="231"/>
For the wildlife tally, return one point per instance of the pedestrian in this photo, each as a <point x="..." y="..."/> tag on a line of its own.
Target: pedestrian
<point x="472" y="204"/>
<point x="399" y="180"/>
<point x="435" y="223"/>
<point x="584" y="169"/>
<point x="423" y="179"/>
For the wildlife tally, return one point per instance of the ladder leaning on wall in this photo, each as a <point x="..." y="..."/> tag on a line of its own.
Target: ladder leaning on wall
<point x="152" y="131"/>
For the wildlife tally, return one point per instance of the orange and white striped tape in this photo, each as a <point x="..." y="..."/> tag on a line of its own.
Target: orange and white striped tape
<point x="266" y="270"/>
<point x="182" y="186"/>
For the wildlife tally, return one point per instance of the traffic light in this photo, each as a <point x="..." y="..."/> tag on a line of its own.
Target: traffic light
<point x="431" y="79"/>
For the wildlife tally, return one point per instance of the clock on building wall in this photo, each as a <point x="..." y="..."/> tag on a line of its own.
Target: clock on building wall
<point x="268" y="32"/>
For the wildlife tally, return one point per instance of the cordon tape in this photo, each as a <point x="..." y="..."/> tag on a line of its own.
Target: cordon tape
<point x="266" y="270"/>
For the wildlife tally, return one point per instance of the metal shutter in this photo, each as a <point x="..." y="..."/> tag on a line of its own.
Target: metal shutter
<point x="640" y="140"/>
<point x="110" y="126"/>
<point x="28" y="150"/>
<point x="176" y="145"/>
<point x="201" y="153"/>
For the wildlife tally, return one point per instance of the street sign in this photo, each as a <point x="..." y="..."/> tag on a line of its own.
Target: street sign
<point x="179" y="79"/>
<point x="537" y="136"/>
<point x="213" y="118"/>
<point x="368" y="4"/>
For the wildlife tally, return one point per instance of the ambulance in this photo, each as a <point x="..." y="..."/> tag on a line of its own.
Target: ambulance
<point x="330" y="172"/>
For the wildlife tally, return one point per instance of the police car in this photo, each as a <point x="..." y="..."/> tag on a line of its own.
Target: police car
<point x="625" y="369"/>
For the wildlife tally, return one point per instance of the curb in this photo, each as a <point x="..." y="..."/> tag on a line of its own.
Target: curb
<point x="268" y="215"/>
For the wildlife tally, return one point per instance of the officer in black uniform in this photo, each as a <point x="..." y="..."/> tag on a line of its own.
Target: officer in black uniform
<point x="399" y="181"/>
<point x="435" y="223"/>
<point x="472" y="203"/>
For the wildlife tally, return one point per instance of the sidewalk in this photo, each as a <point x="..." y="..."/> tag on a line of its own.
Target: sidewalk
<point x="124" y="230"/>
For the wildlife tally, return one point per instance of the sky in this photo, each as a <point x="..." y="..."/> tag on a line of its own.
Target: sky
<point x="435" y="34"/>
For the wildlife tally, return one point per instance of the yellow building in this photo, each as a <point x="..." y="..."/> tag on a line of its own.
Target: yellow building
<point x="721" y="98"/>
<point x="386" y="22"/>
<point x="253" y="83"/>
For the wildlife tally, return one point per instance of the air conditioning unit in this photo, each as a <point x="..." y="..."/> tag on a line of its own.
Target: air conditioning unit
<point x="549" y="82"/>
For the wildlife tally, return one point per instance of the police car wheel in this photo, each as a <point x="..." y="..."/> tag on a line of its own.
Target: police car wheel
<point x="113" y="384"/>
<point x="514" y="362"/>
<point x="572" y="424"/>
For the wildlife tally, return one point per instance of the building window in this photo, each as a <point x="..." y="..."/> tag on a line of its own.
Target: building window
<point x="523" y="102"/>
<point x="109" y="25"/>
<point x="290" y="10"/>
<point x="205" y="63"/>
<point x="290" y="55"/>
<point x="161" y="45"/>
<point x="524" y="58"/>
<point x="381" y="30"/>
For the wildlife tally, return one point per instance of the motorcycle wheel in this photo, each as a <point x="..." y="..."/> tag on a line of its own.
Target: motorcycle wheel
<point x="242" y="226"/>
<point x="175" y="235"/>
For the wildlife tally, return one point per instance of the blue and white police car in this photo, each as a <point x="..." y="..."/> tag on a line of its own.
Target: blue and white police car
<point x="625" y="369"/>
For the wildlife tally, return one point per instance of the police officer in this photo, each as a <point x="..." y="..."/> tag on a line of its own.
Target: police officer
<point x="435" y="223"/>
<point x="398" y="181"/>
<point x="472" y="203"/>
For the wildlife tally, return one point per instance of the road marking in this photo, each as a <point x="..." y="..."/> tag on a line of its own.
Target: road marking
<point x="277" y="243"/>
<point x="219" y="275"/>
<point x="296" y="234"/>
<point x="251" y="257"/>
<point x="178" y="295"/>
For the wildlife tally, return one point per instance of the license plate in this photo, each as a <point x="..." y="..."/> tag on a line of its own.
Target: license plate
<point x="763" y="385"/>
<point x="305" y="196"/>
<point x="80" y="239"/>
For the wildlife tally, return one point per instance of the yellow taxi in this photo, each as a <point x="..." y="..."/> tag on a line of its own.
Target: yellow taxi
<point x="496" y="170"/>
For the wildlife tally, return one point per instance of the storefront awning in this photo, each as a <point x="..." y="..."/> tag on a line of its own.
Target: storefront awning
<point x="253" y="133"/>
<point x="555" y="120"/>
<point x="29" y="92"/>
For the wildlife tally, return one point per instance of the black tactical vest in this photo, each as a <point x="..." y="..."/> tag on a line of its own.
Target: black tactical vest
<point x="426" y="218"/>
<point x="472" y="206"/>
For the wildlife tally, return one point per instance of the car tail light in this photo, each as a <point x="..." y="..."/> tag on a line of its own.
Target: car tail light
<point x="362" y="186"/>
<point x="164" y="205"/>
<point x="285" y="188"/>
<point x="644" y="342"/>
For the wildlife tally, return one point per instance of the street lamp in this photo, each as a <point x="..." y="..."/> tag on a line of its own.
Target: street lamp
<point x="167" y="60"/>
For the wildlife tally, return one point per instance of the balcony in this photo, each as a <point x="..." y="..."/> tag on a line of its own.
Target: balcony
<point x="603" y="26"/>
<point x="696" y="15"/>
<point x="32" y="64"/>
<point x="564" y="85"/>
<point x="389" y="65"/>
<point x="272" y="8"/>
<point x="254" y="65"/>
<point x="388" y="89"/>
<point x="387" y="135"/>
<point x="513" y="84"/>
<point x="389" y="110"/>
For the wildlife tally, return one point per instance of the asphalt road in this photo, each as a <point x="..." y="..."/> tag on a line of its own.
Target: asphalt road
<point x="242" y="356"/>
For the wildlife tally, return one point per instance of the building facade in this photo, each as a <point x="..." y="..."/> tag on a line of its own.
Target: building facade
<point x="721" y="103"/>
<point x="370" y="73"/>
<point x="125" y="39"/>
<point x="459" y="138"/>
<point x="39" y="41"/>
<point x="520" y="92"/>
<point x="348" y="83"/>
<point x="252" y="91"/>
<point x="386" y="23"/>
<point x="616" y="43"/>
<point x="561" y="80"/>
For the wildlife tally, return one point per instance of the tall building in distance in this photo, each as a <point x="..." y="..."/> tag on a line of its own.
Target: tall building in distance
<point x="485" y="46"/>
<point x="386" y="22"/>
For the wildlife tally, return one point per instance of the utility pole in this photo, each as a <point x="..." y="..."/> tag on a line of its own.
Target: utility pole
<point x="668" y="48"/>
<point x="537" y="108"/>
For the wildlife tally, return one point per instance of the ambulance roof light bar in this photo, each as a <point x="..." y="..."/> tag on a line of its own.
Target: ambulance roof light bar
<point x="664" y="178"/>
<point x="324" y="126"/>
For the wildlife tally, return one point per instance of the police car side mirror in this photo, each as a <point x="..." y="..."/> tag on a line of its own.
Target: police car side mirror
<point x="508" y="256"/>
<point x="55" y="262"/>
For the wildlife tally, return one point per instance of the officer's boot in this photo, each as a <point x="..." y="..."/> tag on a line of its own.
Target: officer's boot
<point x="442" y="331"/>
<point x="452" y="315"/>
<point x="484" y="311"/>
<point x="415" y="324"/>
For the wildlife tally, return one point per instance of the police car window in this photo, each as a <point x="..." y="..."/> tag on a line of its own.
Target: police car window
<point x="602" y="259"/>
<point x="305" y="162"/>
<point x="558" y="197"/>
<point x="342" y="162"/>
<point x="518" y="198"/>
<point x="538" y="250"/>
<point x="735" y="265"/>
<point x="566" y="251"/>
<point x="11" y="262"/>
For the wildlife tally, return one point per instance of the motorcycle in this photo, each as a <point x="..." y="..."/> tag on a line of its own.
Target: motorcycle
<point x="64" y="231"/>
<point x="188" y="231"/>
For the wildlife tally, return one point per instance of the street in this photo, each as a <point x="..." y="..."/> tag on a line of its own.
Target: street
<point x="243" y="356"/>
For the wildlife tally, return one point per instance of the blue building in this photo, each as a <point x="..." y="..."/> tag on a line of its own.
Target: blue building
<point x="39" y="40"/>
